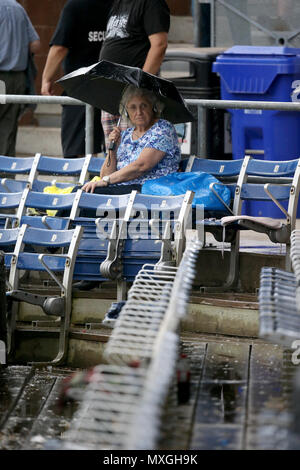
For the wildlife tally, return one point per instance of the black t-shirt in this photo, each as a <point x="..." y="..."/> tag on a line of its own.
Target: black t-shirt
<point x="128" y="28"/>
<point x="81" y="28"/>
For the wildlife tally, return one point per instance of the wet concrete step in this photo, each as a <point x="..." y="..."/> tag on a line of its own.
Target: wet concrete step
<point x="221" y="405"/>
<point x="240" y="396"/>
<point x="29" y="411"/>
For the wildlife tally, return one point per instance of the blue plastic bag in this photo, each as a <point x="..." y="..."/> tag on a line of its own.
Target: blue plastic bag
<point x="197" y="181"/>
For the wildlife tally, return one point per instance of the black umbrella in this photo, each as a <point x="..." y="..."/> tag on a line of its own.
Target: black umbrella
<point x="102" y="86"/>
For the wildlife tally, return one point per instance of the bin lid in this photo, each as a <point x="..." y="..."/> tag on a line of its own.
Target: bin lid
<point x="262" y="50"/>
<point x="252" y="69"/>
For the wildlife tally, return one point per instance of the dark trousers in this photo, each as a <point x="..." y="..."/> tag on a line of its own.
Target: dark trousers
<point x="73" y="131"/>
<point x="15" y="84"/>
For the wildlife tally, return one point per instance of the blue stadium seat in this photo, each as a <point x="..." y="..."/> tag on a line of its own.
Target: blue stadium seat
<point x="95" y="239"/>
<point x="11" y="202"/>
<point x="275" y="182"/>
<point x="16" y="165"/>
<point x="219" y="168"/>
<point x="91" y="169"/>
<point x="60" y="166"/>
<point x="14" y="186"/>
<point x="151" y="231"/>
<point x="28" y="253"/>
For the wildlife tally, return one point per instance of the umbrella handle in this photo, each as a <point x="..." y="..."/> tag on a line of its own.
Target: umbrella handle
<point x="112" y="144"/>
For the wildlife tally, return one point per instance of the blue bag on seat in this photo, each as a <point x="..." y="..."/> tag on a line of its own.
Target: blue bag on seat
<point x="197" y="181"/>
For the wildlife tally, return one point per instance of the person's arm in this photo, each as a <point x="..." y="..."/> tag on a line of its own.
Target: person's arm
<point x="156" y="53"/>
<point x="34" y="46"/>
<point x="55" y="57"/>
<point x="110" y="163"/>
<point x="147" y="160"/>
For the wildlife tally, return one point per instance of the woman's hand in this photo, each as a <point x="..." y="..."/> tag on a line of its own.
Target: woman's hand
<point x="91" y="185"/>
<point x="115" y="135"/>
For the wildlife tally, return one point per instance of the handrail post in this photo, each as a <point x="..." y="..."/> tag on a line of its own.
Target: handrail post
<point x="3" y="312"/>
<point x="202" y="132"/>
<point x="89" y="129"/>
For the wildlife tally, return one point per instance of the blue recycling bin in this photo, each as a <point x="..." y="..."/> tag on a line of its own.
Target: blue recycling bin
<point x="256" y="73"/>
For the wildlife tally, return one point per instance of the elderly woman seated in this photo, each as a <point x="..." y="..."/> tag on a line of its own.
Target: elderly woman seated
<point x="147" y="150"/>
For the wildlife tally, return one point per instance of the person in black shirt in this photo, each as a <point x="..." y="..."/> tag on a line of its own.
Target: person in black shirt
<point x="137" y="35"/>
<point x="76" y="43"/>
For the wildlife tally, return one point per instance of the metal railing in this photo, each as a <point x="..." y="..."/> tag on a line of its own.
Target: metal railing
<point x="37" y="99"/>
<point x="202" y="105"/>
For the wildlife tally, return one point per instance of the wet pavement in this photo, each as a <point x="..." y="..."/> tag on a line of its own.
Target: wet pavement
<point x="29" y="406"/>
<point x="240" y="398"/>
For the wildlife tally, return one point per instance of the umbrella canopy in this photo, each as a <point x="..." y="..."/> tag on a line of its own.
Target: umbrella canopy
<point x="103" y="84"/>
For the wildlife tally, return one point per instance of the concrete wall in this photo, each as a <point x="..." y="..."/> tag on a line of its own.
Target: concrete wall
<point x="180" y="7"/>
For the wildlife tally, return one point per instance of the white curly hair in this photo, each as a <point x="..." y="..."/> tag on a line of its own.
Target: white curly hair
<point x="131" y="91"/>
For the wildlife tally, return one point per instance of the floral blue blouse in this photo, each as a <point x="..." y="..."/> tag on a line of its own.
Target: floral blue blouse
<point x="161" y="136"/>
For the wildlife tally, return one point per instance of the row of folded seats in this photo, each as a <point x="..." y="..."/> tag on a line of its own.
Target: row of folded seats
<point x="128" y="231"/>
<point x="279" y="300"/>
<point x="30" y="168"/>
<point x="248" y="180"/>
<point x="274" y="183"/>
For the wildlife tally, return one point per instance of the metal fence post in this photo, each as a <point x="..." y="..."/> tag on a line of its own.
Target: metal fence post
<point x="89" y="129"/>
<point x="202" y="132"/>
<point x="202" y="23"/>
<point x="3" y="312"/>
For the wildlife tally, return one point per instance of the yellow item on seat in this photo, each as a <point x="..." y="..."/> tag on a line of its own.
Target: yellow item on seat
<point x="96" y="178"/>
<point x="53" y="189"/>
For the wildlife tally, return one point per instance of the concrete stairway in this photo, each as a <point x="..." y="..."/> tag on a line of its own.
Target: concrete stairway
<point x="45" y="137"/>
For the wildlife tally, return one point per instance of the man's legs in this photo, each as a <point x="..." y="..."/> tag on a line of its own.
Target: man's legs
<point x="9" y="113"/>
<point x="73" y="131"/>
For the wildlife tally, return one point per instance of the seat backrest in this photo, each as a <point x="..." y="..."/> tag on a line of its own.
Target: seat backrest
<point x="149" y="206"/>
<point x="8" y="237"/>
<point x="43" y="202"/>
<point x="47" y="237"/>
<point x="53" y="223"/>
<point x="10" y="200"/>
<point x="16" y="165"/>
<point x="60" y="166"/>
<point x="99" y="202"/>
<point x="46" y="201"/>
<point x="218" y="168"/>
<point x="269" y="170"/>
<point x="256" y="192"/>
<point x="33" y="238"/>
<point x="12" y="186"/>
<point x="15" y="186"/>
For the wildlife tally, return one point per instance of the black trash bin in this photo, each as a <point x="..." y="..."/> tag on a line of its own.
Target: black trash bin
<point x="191" y="71"/>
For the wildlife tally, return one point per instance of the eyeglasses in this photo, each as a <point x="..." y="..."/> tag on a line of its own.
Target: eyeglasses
<point x="141" y="107"/>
